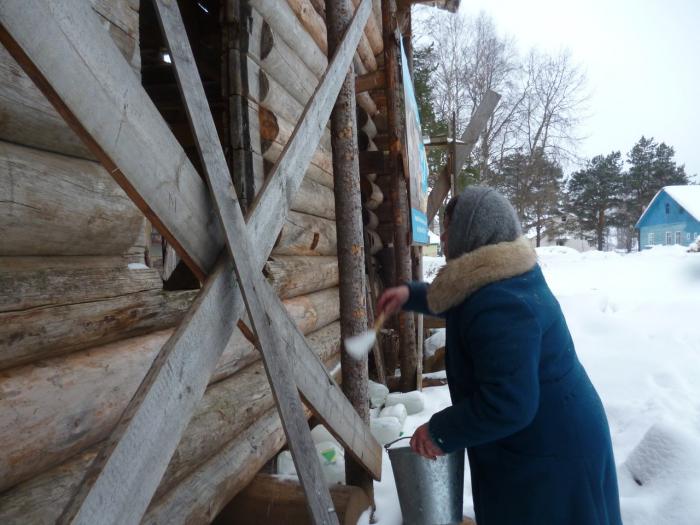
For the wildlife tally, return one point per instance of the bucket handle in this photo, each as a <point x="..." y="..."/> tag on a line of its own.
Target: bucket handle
<point x="388" y="445"/>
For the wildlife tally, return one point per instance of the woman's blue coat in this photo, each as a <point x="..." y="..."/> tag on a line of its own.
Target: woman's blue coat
<point x="533" y="425"/>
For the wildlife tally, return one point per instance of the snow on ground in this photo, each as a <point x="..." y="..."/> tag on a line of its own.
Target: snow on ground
<point x="634" y="319"/>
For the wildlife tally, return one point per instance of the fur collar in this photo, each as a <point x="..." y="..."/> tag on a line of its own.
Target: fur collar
<point x="463" y="276"/>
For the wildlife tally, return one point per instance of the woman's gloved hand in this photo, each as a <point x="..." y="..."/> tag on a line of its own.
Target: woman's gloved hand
<point x="392" y="300"/>
<point x="423" y="445"/>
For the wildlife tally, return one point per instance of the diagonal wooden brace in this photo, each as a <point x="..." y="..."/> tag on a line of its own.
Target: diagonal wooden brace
<point x="476" y="125"/>
<point x="275" y="343"/>
<point x="80" y="70"/>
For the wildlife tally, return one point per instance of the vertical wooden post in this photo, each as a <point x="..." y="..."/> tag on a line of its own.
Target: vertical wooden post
<point x="349" y="228"/>
<point x="399" y="194"/>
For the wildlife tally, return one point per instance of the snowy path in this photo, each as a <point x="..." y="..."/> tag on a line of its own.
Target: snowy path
<point x="635" y="320"/>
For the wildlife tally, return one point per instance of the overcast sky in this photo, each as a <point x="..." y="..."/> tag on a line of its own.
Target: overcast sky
<point x="642" y="60"/>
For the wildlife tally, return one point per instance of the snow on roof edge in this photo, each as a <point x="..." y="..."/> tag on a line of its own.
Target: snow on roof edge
<point x="692" y="206"/>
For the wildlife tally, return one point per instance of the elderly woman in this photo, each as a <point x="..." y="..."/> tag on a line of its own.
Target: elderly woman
<point x="522" y="405"/>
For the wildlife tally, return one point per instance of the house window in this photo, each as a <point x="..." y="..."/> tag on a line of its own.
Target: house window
<point x="678" y="237"/>
<point x="651" y="238"/>
<point x="696" y="235"/>
<point x="687" y="236"/>
<point x="668" y="208"/>
<point x="669" y="238"/>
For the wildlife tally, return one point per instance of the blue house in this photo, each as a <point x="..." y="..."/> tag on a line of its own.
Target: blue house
<point x="672" y="217"/>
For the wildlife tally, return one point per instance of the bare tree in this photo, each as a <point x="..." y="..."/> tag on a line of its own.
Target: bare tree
<point x="554" y="105"/>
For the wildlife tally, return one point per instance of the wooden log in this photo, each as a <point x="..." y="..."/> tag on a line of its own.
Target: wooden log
<point x="315" y="310"/>
<point x="273" y="151"/>
<point x="314" y="199"/>
<point x="282" y="63"/>
<point x="27" y="118"/>
<point x="292" y="276"/>
<point x="281" y="500"/>
<point x="275" y="97"/>
<point x="364" y="100"/>
<point x="58" y="407"/>
<point x="306" y="235"/>
<point x="373" y="162"/>
<point x="226" y="410"/>
<point x="96" y="65"/>
<point x="322" y="156"/>
<point x="373" y="33"/>
<point x="367" y="125"/>
<point x="202" y="495"/>
<point x="58" y="205"/>
<point x="375" y="244"/>
<point x="287" y="27"/>
<point x="29" y="335"/>
<point x="33" y="282"/>
<point x="372" y="196"/>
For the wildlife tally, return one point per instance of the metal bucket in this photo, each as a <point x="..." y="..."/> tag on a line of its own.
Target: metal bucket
<point x="430" y="491"/>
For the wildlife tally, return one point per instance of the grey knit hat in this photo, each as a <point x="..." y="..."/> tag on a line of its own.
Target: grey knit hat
<point x="479" y="217"/>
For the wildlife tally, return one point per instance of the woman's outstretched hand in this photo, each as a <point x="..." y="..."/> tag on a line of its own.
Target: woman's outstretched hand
<point x="392" y="300"/>
<point x="422" y="444"/>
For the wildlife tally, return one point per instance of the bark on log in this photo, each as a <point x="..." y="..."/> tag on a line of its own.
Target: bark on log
<point x="305" y="234"/>
<point x="32" y="282"/>
<point x="282" y="501"/>
<point x="59" y="407"/>
<point x="29" y="335"/>
<point x="26" y="117"/>
<point x="58" y="205"/>
<point x="294" y="276"/>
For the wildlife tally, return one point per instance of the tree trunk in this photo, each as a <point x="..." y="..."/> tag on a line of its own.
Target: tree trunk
<point x="351" y="256"/>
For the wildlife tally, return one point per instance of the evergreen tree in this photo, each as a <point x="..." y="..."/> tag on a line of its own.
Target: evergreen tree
<point x="424" y="65"/>
<point x="533" y="183"/>
<point x="594" y="196"/>
<point x="651" y="167"/>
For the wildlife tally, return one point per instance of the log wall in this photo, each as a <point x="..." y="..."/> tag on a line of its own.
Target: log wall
<point x="81" y="316"/>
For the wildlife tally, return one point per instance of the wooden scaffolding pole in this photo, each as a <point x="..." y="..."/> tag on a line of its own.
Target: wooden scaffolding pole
<point x="349" y="228"/>
<point x="399" y="195"/>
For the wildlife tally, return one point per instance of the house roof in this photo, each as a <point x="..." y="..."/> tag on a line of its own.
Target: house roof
<point x="686" y="196"/>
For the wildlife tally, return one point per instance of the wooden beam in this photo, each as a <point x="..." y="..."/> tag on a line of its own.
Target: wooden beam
<point x="370" y="81"/>
<point x="476" y="125"/>
<point x="145" y="150"/>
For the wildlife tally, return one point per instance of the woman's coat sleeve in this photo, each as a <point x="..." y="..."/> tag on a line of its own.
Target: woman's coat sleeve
<point x="503" y="339"/>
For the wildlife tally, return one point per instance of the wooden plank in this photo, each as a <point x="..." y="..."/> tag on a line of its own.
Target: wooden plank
<point x="150" y="145"/>
<point x="476" y="125"/>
